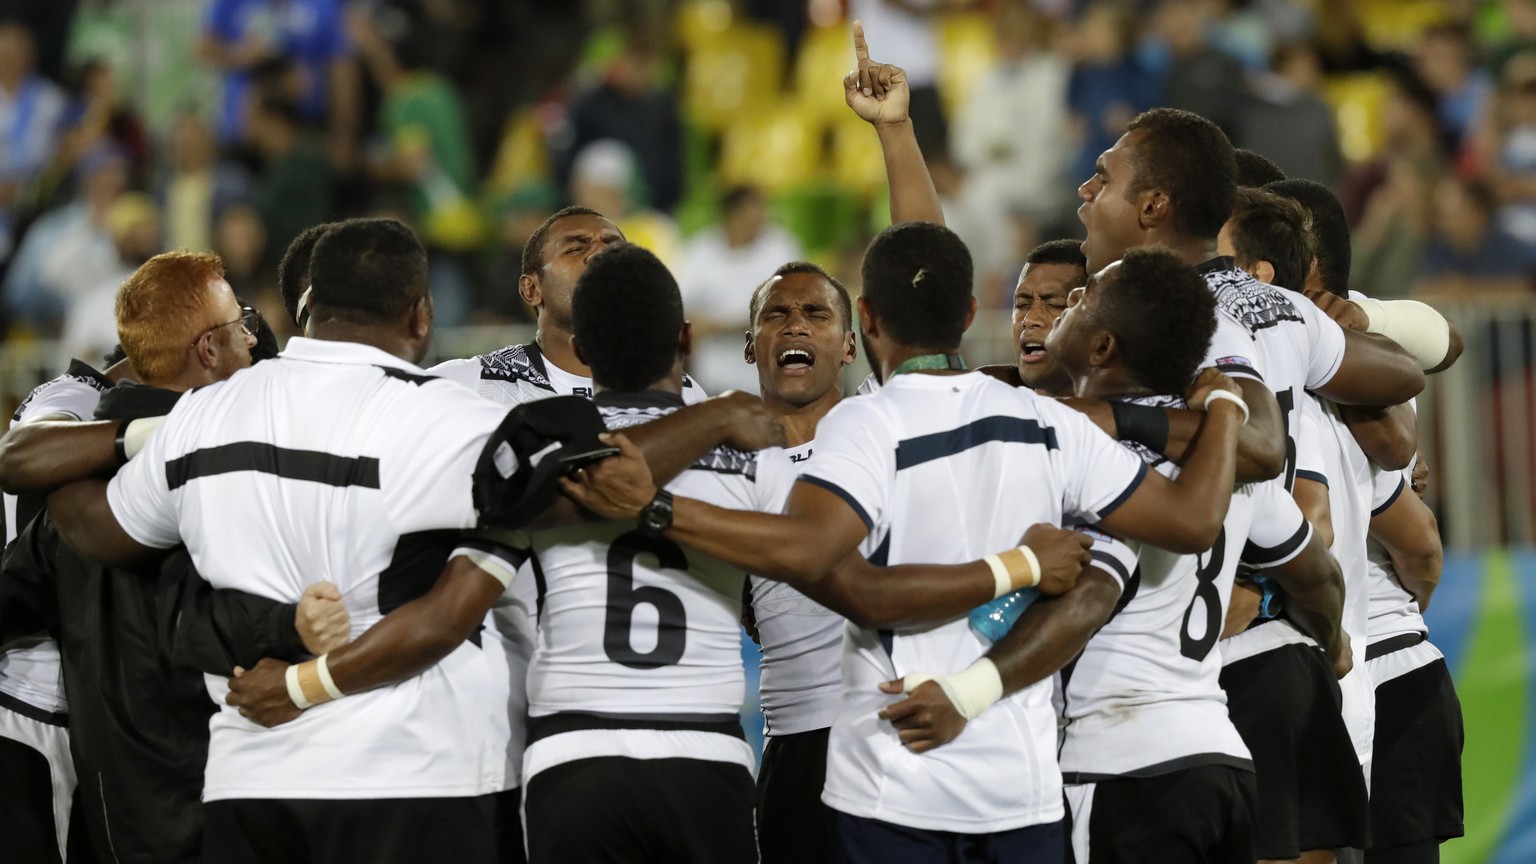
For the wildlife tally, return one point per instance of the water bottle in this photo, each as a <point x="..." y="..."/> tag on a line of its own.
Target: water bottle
<point x="993" y="620"/>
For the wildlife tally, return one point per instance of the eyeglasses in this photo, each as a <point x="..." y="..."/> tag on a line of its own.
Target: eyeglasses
<point x="249" y="321"/>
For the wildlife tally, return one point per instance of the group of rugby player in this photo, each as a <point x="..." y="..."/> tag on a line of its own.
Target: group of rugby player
<point x="1152" y="593"/>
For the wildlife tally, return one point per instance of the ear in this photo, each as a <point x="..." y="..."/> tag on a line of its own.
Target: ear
<point x="1263" y="271"/>
<point x="1155" y="209"/>
<point x="850" y="348"/>
<point x="576" y="348"/>
<point x="528" y="287"/>
<point x="419" y="321"/>
<point x="685" y="340"/>
<point x="207" y="352"/>
<point x="1103" y="350"/>
<point x="970" y="314"/>
<point x="867" y="319"/>
<point x="750" y="352"/>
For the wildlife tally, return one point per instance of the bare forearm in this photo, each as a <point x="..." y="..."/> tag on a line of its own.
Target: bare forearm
<point x="907" y="595"/>
<point x="1054" y="630"/>
<point x="415" y="637"/>
<point x="42" y="456"/>
<point x="1260" y="452"/>
<point x="1314" y="589"/>
<point x="87" y="524"/>
<point x="1419" y="574"/>
<point x="1389" y="436"/>
<point x="678" y="440"/>
<point x="791" y="550"/>
<point x="913" y="198"/>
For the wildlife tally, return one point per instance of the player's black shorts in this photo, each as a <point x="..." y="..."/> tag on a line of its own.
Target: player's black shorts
<point x="620" y="810"/>
<point x="870" y="841"/>
<point x="793" y="826"/>
<point x="1416" y="766"/>
<point x="379" y="831"/>
<point x="1199" y="815"/>
<point x="1286" y="704"/>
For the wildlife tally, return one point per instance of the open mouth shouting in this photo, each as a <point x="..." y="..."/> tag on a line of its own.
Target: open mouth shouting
<point x="1032" y="351"/>
<point x="796" y="361"/>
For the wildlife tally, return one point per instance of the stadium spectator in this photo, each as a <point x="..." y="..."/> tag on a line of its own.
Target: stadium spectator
<point x="1444" y="58"/>
<point x="31" y="108"/>
<point x="605" y="177"/>
<point x="1108" y="85"/>
<point x="90" y="327"/>
<point x="1287" y="120"/>
<point x="294" y="190"/>
<point x="197" y="186"/>
<point x="1467" y="251"/>
<point x="1200" y="77"/>
<point x="907" y="30"/>
<point x="720" y="267"/>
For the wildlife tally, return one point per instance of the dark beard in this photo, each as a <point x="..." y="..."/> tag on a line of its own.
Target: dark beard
<point x="872" y="359"/>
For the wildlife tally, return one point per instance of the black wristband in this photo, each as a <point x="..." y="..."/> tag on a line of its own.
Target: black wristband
<point x="1145" y="424"/>
<point x="120" y="444"/>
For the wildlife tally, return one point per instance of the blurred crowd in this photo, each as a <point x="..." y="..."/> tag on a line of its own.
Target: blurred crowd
<point x="713" y="132"/>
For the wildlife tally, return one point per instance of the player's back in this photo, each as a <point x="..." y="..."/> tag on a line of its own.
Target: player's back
<point x="335" y="462"/>
<point x="948" y="469"/>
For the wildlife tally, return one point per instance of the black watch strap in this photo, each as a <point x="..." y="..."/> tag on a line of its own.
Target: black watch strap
<point x="656" y="517"/>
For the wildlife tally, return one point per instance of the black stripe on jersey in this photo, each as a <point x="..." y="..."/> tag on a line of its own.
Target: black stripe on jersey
<point x="540" y="585"/>
<point x="1132" y="586"/>
<point x="410" y="377"/>
<point x="1109" y="562"/>
<point x="1194" y="760"/>
<point x="869" y="524"/>
<point x="540" y="728"/>
<point x="1014" y="430"/>
<point x="1239" y="369"/>
<point x="1259" y="557"/>
<point x="1314" y="476"/>
<point x="52" y="718"/>
<point x="311" y="465"/>
<point x="1141" y="474"/>
<point x="1385" y="505"/>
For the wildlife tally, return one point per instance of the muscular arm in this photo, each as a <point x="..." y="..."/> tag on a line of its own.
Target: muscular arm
<point x="41" y="456"/>
<point x="913" y="198"/>
<point x="87" y="524"/>
<point x="905" y="595"/>
<point x="1054" y="630"/>
<point x="1389" y="436"/>
<point x="1375" y="371"/>
<point x="1411" y="536"/>
<point x="1312" y="497"/>
<point x="1314" y="590"/>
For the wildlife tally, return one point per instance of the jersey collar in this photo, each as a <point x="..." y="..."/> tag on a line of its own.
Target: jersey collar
<point x="1217" y="264"/>
<point x="642" y="399"/>
<point x="349" y="353"/>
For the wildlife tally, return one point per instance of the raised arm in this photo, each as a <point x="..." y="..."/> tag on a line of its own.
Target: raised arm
<point x="878" y="94"/>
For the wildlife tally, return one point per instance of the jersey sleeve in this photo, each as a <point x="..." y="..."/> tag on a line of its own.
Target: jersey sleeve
<point x="1309" y="444"/>
<point x="855" y="459"/>
<point x="1279" y="531"/>
<point x="1387" y="487"/>
<point x="427" y="475"/>
<point x="140" y="495"/>
<point x="1325" y="339"/>
<point x="1110" y="554"/>
<point x="1100" y="473"/>
<point x="465" y="372"/>
<point x="1233" y="349"/>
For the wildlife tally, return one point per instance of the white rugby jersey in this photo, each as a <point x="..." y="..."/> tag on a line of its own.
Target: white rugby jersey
<point x="335" y="462"/>
<point x="1144" y="698"/>
<point x="34" y="675"/>
<point x="638" y="652"/>
<point x="1393" y="611"/>
<point x="519" y="373"/>
<point x="1350" y="489"/>
<point x="948" y="469"/>
<point x="1300" y="348"/>
<point x="802" y="643"/>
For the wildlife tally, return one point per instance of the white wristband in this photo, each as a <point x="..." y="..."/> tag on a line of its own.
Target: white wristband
<point x="1004" y="580"/>
<point x="137" y="433"/>
<point x="1014" y="570"/>
<point x="295" y="691"/>
<point x="971" y="690"/>
<point x="1228" y="396"/>
<point x="323" y="667"/>
<point x="1034" y="566"/>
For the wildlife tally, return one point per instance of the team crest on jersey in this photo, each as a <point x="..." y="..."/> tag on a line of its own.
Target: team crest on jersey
<point x="513" y="363"/>
<point x="1250" y="301"/>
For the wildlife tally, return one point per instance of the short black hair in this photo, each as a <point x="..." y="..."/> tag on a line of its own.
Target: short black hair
<point x="1330" y="230"/>
<point x="1069" y="252"/>
<point x="533" y="250"/>
<point x="373" y="266"/>
<point x="1162" y="314"/>
<point x="917" y="281"/>
<point x="1255" y="170"/>
<point x="738" y="195"/>
<point x="844" y="304"/>
<point x="1269" y="227"/>
<point x="293" y="271"/>
<point x="1190" y="159"/>
<point x="626" y="313"/>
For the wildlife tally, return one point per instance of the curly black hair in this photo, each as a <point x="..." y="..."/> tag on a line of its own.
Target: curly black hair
<point x="917" y="281"/>
<point x="1162" y="315"/>
<point x="533" y="250"/>
<point x="1273" y="228"/>
<point x="1190" y="159"/>
<point x="376" y="267"/>
<point x="626" y="314"/>
<point x="1255" y="170"/>
<point x="844" y="304"/>
<point x="293" y="272"/>
<point x="1330" y="230"/>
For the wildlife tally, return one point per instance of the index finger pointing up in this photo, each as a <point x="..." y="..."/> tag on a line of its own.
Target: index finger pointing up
<point x="860" y="49"/>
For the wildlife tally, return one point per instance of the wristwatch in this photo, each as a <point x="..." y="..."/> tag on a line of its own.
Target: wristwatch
<point x="656" y="516"/>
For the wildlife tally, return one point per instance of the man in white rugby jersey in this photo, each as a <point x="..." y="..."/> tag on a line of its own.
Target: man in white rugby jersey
<point x="1154" y="768"/>
<point x="939" y="465"/>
